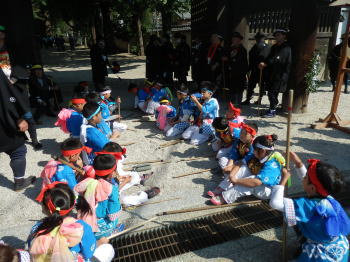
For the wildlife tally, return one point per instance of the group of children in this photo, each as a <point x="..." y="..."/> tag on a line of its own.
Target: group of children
<point x="89" y="176"/>
<point x="252" y="166"/>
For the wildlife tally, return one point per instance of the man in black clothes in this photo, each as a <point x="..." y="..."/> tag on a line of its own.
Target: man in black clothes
<point x="182" y="58"/>
<point x="153" y="57"/>
<point x="198" y="60"/>
<point x="257" y="54"/>
<point x="99" y="62"/>
<point x="276" y="69"/>
<point x="214" y="60"/>
<point x="12" y="127"/>
<point x="238" y="68"/>
<point x="167" y="59"/>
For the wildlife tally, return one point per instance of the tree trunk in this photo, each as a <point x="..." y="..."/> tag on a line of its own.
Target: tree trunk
<point x="108" y="28"/>
<point x="303" y="24"/>
<point x="140" y="35"/>
<point x="23" y="45"/>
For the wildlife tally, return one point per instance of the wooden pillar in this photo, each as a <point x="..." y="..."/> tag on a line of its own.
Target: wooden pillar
<point x="22" y="43"/>
<point x="303" y="26"/>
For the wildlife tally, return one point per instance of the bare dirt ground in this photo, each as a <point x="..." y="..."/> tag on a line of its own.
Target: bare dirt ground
<point x="19" y="211"/>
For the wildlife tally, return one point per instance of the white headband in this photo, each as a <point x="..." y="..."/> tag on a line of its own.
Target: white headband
<point x="106" y="92"/>
<point x="257" y="145"/>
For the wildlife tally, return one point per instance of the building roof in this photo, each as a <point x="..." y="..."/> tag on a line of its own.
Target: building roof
<point x="340" y="3"/>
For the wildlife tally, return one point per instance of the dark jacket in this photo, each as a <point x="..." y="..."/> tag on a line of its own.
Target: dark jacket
<point x="279" y="63"/>
<point x="258" y="54"/>
<point x="37" y="90"/>
<point x="12" y="108"/>
<point x="167" y="57"/>
<point x="153" y="57"/>
<point x="182" y="57"/>
<point x="238" y="67"/>
<point x="99" y="61"/>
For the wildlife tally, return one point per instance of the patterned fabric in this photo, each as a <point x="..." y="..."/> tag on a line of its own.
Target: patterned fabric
<point x="106" y="227"/>
<point x="236" y="155"/>
<point x="24" y="256"/>
<point x="182" y="126"/>
<point x="210" y="109"/>
<point x="270" y="173"/>
<point x="207" y="128"/>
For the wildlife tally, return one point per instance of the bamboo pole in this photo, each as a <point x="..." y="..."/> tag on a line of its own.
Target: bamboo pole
<point x="119" y="102"/>
<point x="132" y="228"/>
<point x="63" y="161"/>
<point x="128" y="144"/>
<point x="194" y="158"/>
<point x="143" y="162"/>
<point x="289" y="123"/>
<point x="170" y="143"/>
<point x="188" y="210"/>
<point x="193" y="173"/>
<point x="151" y="203"/>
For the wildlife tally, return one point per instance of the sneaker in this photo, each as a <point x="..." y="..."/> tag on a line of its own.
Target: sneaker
<point x="270" y="114"/>
<point x="37" y="146"/>
<point x="152" y="192"/>
<point x="245" y="103"/>
<point x="218" y="201"/>
<point x="22" y="183"/>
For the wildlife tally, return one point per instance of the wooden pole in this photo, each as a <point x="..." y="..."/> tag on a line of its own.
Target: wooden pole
<point x="79" y="170"/>
<point x="193" y="173"/>
<point x="290" y="112"/>
<point x="119" y="102"/>
<point x="180" y="211"/>
<point x="132" y="228"/>
<point x="144" y="162"/>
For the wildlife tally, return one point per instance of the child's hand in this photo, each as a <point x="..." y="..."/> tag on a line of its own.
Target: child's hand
<point x="124" y="179"/>
<point x="194" y="98"/>
<point x="295" y="158"/>
<point x="102" y="241"/>
<point x="285" y="177"/>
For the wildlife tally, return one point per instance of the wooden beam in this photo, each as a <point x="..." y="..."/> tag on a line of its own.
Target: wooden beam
<point x="341" y="128"/>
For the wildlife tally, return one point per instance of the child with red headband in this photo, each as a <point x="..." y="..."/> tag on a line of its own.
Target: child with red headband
<point x="321" y="219"/>
<point x="255" y="176"/>
<point x="71" y="120"/>
<point x="141" y="95"/>
<point x="102" y="196"/>
<point x="128" y="179"/>
<point x="55" y="171"/>
<point x="59" y="236"/>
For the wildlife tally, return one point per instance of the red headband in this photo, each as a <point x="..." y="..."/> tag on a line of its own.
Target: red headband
<point x="105" y="172"/>
<point x="49" y="203"/>
<point x="76" y="151"/>
<point x="249" y="129"/>
<point x="235" y="110"/>
<point x="78" y="101"/>
<point x="117" y="155"/>
<point x="311" y="172"/>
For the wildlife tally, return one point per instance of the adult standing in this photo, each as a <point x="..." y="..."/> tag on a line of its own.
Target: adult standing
<point x="198" y="60"/>
<point x="277" y="69"/>
<point x="12" y="127"/>
<point x="238" y="68"/>
<point x="257" y="54"/>
<point x="214" y="60"/>
<point x="153" y="54"/>
<point x="182" y="58"/>
<point x="167" y="59"/>
<point x="99" y="62"/>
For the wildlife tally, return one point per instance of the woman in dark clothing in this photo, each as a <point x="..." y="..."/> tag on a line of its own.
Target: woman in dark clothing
<point x="153" y="54"/>
<point x="13" y="110"/>
<point x="276" y="69"/>
<point x="99" y="62"/>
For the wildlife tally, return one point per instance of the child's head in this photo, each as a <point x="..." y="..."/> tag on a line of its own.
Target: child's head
<point x="71" y="149"/>
<point x="118" y="152"/>
<point x="92" y="113"/>
<point x="82" y="89"/>
<point x="182" y="93"/>
<point x="232" y="112"/>
<point x="164" y="101"/>
<point x="132" y="88"/>
<point x="322" y="179"/>
<point x="8" y="254"/>
<point x="78" y="103"/>
<point x="93" y="97"/>
<point x="206" y="90"/>
<point x="248" y="132"/>
<point x="264" y="145"/>
<point x="105" y="92"/>
<point x="158" y="85"/>
<point x="105" y="166"/>
<point x="220" y="124"/>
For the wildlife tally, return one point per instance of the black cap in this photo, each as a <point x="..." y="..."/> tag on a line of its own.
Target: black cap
<point x="259" y="35"/>
<point x="237" y="35"/>
<point x="281" y="31"/>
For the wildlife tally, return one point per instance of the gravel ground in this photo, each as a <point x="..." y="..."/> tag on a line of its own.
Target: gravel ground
<point x="19" y="211"/>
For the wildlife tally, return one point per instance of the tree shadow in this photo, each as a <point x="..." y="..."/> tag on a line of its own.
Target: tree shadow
<point x="50" y="146"/>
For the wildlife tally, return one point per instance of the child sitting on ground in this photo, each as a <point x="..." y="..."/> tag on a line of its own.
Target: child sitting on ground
<point x="164" y="114"/>
<point x="157" y="91"/>
<point x="320" y="218"/>
<point x="129" y="179"/>
<point x="55" y="171"/>
<point x="234" y="118"/>
<point x="241" y="149"/>
<point x="256" y="177"/>
<point x="103" y="198"/>
<point x="96" y="133"/>
<point x="71" y="120"/>
<point x="141" y="96"/>
<point x="186" y="110"/>
<point x="106" y="114"/>
<point x="61" y="237"/>
<point x="208" y="111"/>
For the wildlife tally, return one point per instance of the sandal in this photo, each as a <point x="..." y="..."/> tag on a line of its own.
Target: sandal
<point x="145" y="177"/>
<point x="152" y="192"/>
<point x="218" y="201"/>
